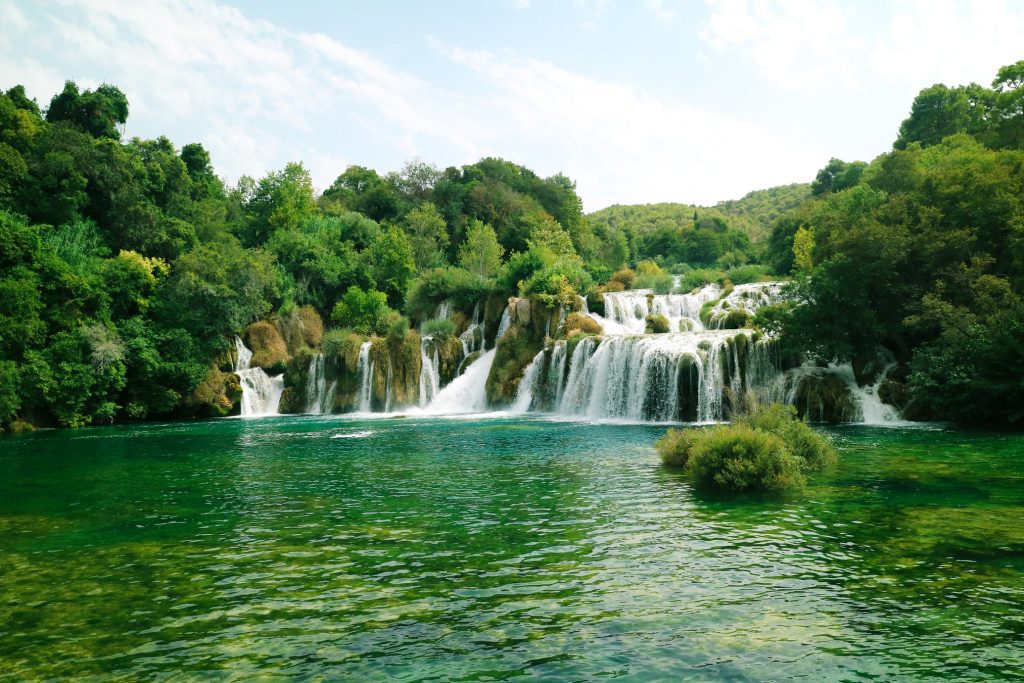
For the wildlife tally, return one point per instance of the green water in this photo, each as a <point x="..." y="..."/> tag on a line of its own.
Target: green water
<point x="320" y="548"/>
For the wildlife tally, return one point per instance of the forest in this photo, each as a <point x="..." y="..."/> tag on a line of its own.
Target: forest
<point x="128" y="266"/>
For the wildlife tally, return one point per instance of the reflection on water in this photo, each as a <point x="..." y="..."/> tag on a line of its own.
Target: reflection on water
<point x="480" y="550"/>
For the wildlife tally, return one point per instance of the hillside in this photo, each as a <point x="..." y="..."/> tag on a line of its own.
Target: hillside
<point x="752" y="215"/>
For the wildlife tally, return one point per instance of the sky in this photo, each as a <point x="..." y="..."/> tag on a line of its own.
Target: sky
<point x="636" y="100"/>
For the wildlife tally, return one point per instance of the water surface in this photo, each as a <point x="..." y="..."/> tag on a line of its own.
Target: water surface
<point x="430" y="549"/>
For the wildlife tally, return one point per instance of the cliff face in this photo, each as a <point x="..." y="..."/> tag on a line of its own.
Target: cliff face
<point x="531" y="325"/>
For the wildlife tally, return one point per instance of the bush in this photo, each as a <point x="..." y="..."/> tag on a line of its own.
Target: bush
<point x="575" y="323"/>
<point x="738" y="458"/>
<point x="674" y="447"/>
<point x="342" y="345"/>
<point x="268" y="348"/>
<point x="395" y="325"/>
<point x="698" y="277"/>
<point x="767" y="449"/>
<point x="741" y="275"/>
<point x="439" y="328"/>
<point x="624" y="277"/>
<point x="812" y="449"/>
<point x="364" y="312"/>
<point x="657" y="324"/>
<point x="458" y="285"/>
<point x="651" y="276"/>
<point x="559" y="283"/>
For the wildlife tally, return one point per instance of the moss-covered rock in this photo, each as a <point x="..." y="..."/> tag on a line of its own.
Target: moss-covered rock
<point x="396" y="371"/>
<point x="514" y="352"/>
<point x="269" y="350"/>
<point x="825" y="397"/>
<point x="734" y="319"/>
<point x="656" y="324"/>
<point x="494" y="309"/>
<point x="292" y="401"/>
<point x="218" y="395"/>
<point x="894" y="393"/>
<point x="576" y="323"/>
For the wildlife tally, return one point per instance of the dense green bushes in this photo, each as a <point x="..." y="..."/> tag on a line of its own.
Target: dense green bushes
<point x="768" y="449"/>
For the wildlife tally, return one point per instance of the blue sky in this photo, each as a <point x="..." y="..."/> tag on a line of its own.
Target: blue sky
<point x="638" y="101"/>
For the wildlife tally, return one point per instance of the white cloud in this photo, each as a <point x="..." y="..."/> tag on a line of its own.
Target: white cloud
<point x="951" y="42"/>
<point x="794" y="43"/>
<point x="253" y="87"/>
<point x="623" y="144"/>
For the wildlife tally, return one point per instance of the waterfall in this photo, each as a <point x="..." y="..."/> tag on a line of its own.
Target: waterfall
<point x="506" y="320"/>
<point x="319" y="392"/>
<point x="261" y="394"/>
<point x="626" y="312"/>
<point x="748" y="297"/>
<point x="430" y="378"/>
<point x="364" y="371"/>
<point x="466" y="393"/>
<point x="472" y="339"/>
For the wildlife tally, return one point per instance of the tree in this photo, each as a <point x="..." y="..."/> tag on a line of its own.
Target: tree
<point x="428" y="235"/>
<point x="362" y="311"/>
<point x="280" y="201"/>
<point x="481" y="254"/>
<point x="98" y="113"/>
<point x="803" y="250"/>
<point x="391" y="263"/>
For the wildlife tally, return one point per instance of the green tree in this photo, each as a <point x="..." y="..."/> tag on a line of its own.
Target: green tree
<point x="391" y="263"/>
<point x="98" y="112"/>
<point x="428" y="235"/>
<point x="481" y="254"/>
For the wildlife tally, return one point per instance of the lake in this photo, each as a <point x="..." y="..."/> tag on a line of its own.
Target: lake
<point x="487" y="549"/>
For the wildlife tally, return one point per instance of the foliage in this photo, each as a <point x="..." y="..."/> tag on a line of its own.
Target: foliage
<point x="481" y="254"/>
<point x="657" y="324"/>
<point x="766" y="449"/>
<point x="737" y="458"/>
<point x="439" y="328"/>
<point x="457" y="285"/>
<point x="651" y="276"/>
<point x="365" y="312"/>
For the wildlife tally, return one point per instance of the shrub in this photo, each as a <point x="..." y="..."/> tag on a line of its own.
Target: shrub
<point x="624" y="277"/>
<point x="657" y="324"/>
<point x="458" y="285"/>
<point x="651" y="276"/>
<point x="812" y="449"/>
<point x="766" y="449"/>
<point x="741" y="275"/>
<point x="698" y="277"/>
<point x="268" y="348"/>
<point x="559" y="283"/>
<point x="362" y="311"/>
<point x="674" y="447"/>
<point x="439" y="328"/>
<point x="738" y="458"/>
<point x="343" y="345"/>
<point x="394" y="325"/>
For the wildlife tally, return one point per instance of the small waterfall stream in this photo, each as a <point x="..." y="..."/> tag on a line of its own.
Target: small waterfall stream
<point x="364" y="370"/>
<point x="319" y="392"/>
<point x="261" y="394"/>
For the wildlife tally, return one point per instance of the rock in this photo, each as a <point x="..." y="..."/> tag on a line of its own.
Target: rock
<point x="657" y="324"/>
<point x="894" y="393"/>
<point x="268" y="348"/>
<point x="576" y="323"/>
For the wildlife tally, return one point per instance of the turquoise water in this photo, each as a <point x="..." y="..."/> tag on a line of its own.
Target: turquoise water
<point x="414" y="549"/>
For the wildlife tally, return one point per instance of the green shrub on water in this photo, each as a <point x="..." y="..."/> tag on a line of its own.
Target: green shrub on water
<point x="674" y="447"/>
<point x="766" y="449"/>
<point x="738" y="458"/>
<point x="812" y="449"/>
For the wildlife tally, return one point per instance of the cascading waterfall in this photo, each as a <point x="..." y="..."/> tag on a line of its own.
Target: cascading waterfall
<point x="430" y="377"/>
<point x="626" y="312"/>
<point x="695" y="374"/>
<point x="364" y="371"/>
<point x="319" y="392"/>
<point x="261" y="394"/>
<point x="466" y="393"/>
